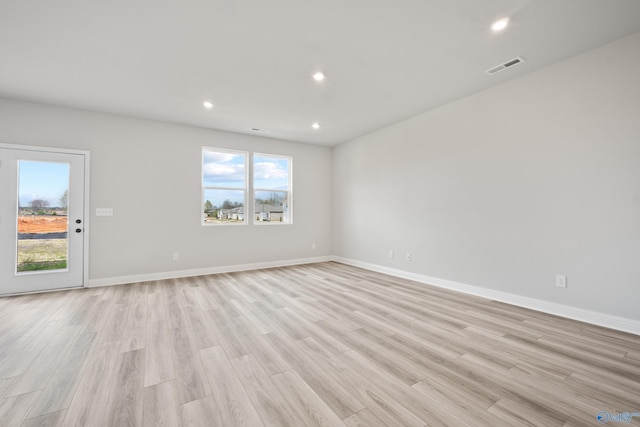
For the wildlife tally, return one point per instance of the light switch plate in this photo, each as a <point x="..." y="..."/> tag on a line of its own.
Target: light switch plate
<point x="104" y="211"/>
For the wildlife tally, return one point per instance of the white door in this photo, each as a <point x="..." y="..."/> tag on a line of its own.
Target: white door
<point x="42" y="222"/>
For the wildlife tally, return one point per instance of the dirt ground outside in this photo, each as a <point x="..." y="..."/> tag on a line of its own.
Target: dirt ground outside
<point x="42" y="224"/>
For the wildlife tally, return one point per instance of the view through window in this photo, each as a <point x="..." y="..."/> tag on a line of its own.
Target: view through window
<point x="272" y="188"/>
<point x="43" y="193"/>
<point x="225" y="188"/>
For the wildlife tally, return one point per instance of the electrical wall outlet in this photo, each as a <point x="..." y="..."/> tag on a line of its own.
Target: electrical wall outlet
<point x="561" y="281"/>
<point x="408" y="256"/>
<point x="390" y="253"/>
<point x="176" y="256"/>
<point x="313" y="246"/>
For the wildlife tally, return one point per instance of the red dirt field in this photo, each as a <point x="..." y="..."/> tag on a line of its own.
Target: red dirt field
<point x="42" y="224"/>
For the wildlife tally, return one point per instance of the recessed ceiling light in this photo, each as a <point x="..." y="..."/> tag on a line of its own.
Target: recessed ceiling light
<point x="208" y="104"/>
<point x="500" y="24"/>
<point x="316" y="125"/>
<point x="318" y="76"/>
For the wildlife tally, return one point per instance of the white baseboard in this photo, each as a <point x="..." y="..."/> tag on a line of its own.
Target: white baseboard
<point x="121" y="280"/>
<point x="601" y="319"/>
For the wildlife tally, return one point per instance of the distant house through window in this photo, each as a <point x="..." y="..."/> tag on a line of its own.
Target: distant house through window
<point x="224" y="186"/>
<point x="272" y="189"/>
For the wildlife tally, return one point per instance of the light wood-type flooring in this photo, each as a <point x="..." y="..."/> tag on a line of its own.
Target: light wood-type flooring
<point x="314" y="345"/>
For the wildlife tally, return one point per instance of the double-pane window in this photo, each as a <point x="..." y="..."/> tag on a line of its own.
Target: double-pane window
<point x="225" y="188"/>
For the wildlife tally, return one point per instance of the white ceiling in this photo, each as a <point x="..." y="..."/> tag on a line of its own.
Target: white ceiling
<point x="384" y="60"/>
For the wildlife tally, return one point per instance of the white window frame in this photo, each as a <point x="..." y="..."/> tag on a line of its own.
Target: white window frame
<point x="246" y="189"/>
<point x="289" y="191"/>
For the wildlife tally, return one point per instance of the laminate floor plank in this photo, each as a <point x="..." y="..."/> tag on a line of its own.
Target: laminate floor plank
<point x="267" y="355"/>
<point x="343" y="319"/>
<point x="605" y="362"/>
<point x="339" y="398"/>
<point x="254" y="285"/>
<point x="527" y="354"/>
<point x="135" y="332"/>
<point x="26" y="348"/>
<point x="378" y="352"/>
<point x="200" y="413"/>
<point x="220" y="287"/>
<point x="611" y="337"/>
<point x="188" y="299"/>
<point x="87" y="309"/>
<point x="156" y="304"/>
<point x="232" y="289"/>
<point x="90" y="402"/>
<point x="96" y="317"/>
<point x="301" y="306"/>
<point x="430" y="337"/>
<point x="175" y="311"/>
<point x="232" y="335"/>
<point x="427" y="410"/>
<point x="272" y="302"/>
<point x="60" y="389"/>
<point x="282" y="284"/>
<point x="313" y="330"/>
<point x="604" y="391"/>
<point x="517" y="414"/>
<point x="358" y="389"/>
<point x="632" y="356"/>
<point x="204" y="296"/>
<point x="126" y="397"/>
<point x="74" y="303"/>
<point x="160" y="405"/>
<point x="54" y="419"/>
<point x="258" y="318"/>
<point x="535" y="392"/>
<point x="308" y="406"/>
<point x="550" y="330"/>
<point x="535" y="371"/>
<point x="307" y="345"/>
<point x="271" y="405"/>
<point x="578" y="361"/>
<point x="6" y="384"/>
<point x="190" y="380"/>
<point x="14" y="409"/>
<point x="44" y="366"/>
<point x="232" y="404"/>
<point x="364" y="418"/>
<point x="159" y="365"/>
<point x="114" y="325"/>
<point x="200" y="328"/>
<point x="468" y="407"/>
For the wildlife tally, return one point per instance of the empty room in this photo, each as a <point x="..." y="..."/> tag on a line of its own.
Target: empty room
<point x="355" y="213"/>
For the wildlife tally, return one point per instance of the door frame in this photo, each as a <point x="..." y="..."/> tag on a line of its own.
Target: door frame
<point x="86" y="210"/>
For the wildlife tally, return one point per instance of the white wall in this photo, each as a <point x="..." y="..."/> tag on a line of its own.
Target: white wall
<point x="149" y="173"/>
<point x="509" y="187"/>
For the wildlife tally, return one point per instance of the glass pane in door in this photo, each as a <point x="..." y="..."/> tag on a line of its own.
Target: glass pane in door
<point x="43" y="194"/>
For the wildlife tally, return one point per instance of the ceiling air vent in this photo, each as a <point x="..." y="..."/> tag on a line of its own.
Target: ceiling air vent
<point x="258" y="130"/>
<point x="505" y="65"/>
